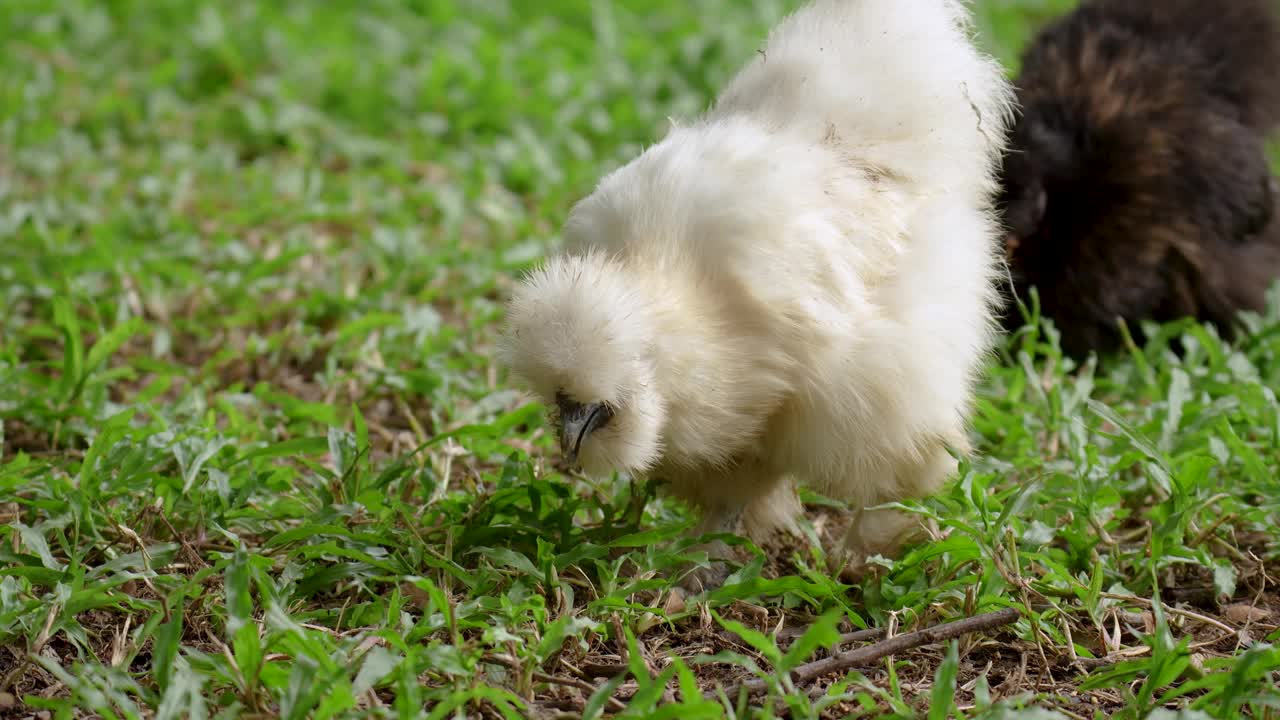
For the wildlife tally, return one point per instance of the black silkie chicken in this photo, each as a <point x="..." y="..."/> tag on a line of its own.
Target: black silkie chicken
<point x="1136" y="184"/>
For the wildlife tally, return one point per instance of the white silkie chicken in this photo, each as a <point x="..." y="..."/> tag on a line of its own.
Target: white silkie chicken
<point x="797" y="286"/>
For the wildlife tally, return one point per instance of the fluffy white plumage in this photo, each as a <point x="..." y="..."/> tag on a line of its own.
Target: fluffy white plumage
<point x="799" y="285"/>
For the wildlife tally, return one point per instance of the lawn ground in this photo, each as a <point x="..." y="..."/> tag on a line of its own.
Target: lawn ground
<point x="256" y="459"/>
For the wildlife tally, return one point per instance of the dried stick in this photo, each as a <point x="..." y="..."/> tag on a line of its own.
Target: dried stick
<point x="865" y="655"/>
<point x="512" y="664"/>
<point x="788" y="637"/>
<point x="1173" y="611"/>
<point x="793" y="634"/>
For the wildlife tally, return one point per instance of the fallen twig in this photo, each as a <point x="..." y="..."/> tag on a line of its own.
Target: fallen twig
<point x="603" y="670"/>
<point x="512" y="664"/>
<point x="786" y="638"/>
<point x="793" y="634"/>
<point x="191" y="551"/>
<point x="871" y="653"/>
<point x="1172" y="610"/>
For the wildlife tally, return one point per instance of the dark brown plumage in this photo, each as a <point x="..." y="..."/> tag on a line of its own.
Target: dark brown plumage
<point x="1137" y="184"/>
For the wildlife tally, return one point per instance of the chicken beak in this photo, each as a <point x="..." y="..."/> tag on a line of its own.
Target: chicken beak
<point x="577" y="421"/>
<point x="1011" y="243"/>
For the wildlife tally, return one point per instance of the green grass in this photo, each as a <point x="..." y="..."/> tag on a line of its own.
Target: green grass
<point x="256" y="459"/>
